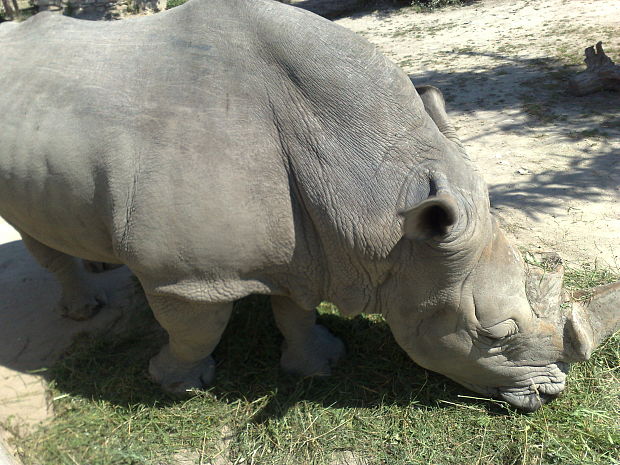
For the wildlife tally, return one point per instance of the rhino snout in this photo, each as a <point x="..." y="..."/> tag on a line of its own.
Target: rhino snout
<point x="528" y="393"/>
<point x="528" y="402"/>
<point x="539" y="391"/>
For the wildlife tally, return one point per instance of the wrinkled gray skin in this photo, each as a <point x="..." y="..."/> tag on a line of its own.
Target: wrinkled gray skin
<point x="231" y="147"/>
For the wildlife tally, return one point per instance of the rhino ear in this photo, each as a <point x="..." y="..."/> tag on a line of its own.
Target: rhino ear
<point x="432" y="218"/>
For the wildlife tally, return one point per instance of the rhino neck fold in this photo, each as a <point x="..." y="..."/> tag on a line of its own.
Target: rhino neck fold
<point x="355" y="138"/>
<point x="359" y="231"/>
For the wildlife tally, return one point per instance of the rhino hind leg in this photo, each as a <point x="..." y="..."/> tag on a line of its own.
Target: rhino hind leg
<point x="81" y="298"/>
<point x="308" y="349"/>
<point x="194" y="329"/>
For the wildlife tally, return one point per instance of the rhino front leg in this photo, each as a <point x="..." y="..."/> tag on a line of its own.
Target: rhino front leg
<point x="80" y="297"/>
<point x="309" y="349"/>
<point x="194" y="329"/>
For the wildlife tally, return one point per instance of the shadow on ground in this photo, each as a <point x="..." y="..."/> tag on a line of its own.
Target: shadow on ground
<point x="536" y="80"/>
<point x="541" y="109"/>
<point x="375" y="371"/>
<point x="109" y="357"/>
<point x="587" y="178"/>
<point x="333" y="9"/>
<point x="32" y="335"/>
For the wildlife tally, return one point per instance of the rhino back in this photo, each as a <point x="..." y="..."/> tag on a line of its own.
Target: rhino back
<point x="151" y="132"/>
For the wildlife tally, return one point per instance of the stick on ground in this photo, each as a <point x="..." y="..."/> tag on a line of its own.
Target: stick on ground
<point x="601" y="73"/>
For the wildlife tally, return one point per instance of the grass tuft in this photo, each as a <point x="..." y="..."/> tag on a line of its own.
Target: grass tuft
<point x="174" y="3"/>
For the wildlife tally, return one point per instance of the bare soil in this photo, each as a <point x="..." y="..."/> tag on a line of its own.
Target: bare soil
<point x="552" y="161"/>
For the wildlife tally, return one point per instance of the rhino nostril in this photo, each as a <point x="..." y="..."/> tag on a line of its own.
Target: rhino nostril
<point x="563" y="366"/>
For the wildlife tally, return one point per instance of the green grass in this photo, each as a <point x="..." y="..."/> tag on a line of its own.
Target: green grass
<point x="378" y="405"/>
<point x="426" y="5"/>
<point x="172" y="3"/>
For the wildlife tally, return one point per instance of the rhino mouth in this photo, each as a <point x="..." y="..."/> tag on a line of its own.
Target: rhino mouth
<point x="539" y="391"/>
<point x="526" y="400"/>
<point x="530" y="394"/>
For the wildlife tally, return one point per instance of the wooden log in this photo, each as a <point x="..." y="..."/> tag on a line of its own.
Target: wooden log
<point x="601" y="73"/>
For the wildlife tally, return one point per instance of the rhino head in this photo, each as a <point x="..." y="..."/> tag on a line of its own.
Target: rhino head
<point x="467" y="305"/>
<point x="489" y="321"/>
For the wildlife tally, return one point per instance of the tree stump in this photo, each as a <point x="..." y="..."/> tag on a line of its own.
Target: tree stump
<point x="601" y="73"/>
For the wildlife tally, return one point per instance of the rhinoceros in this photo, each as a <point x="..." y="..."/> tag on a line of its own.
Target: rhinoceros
<point x="231" y="147"/>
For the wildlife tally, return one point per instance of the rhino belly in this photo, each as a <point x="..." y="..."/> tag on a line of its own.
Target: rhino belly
<point x="71" y="226"/>
<point x="55" y="188"/>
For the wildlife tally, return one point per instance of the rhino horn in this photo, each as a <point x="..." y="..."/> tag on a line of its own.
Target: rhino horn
<point x="543" y="286"/>
<point x="594" y="317"/>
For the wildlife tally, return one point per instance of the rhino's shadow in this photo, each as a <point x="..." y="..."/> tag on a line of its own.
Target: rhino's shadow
<point x="107" y="358"/>
<point x="334" y="9"/>
<point x="32" y="335"/>
<point x="375" y="372"/>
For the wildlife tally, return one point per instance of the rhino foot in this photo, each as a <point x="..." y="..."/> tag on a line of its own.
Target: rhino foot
<point x="82" y="306"/>
<point x="180" y="378"/>
<point x="315" y="356"/>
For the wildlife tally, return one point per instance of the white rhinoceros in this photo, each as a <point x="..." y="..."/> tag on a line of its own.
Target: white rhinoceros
<point x="231" y="147"/>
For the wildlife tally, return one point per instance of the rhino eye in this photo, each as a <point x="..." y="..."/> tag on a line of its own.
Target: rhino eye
<point x="501" y="330"/>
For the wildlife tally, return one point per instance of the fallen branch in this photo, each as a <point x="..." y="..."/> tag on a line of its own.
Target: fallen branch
<point x="601" y="73"/>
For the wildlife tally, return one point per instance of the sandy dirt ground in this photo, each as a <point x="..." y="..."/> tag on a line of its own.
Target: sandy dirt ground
<point x="552" y="161"/>
<point x="33" y="336"/>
